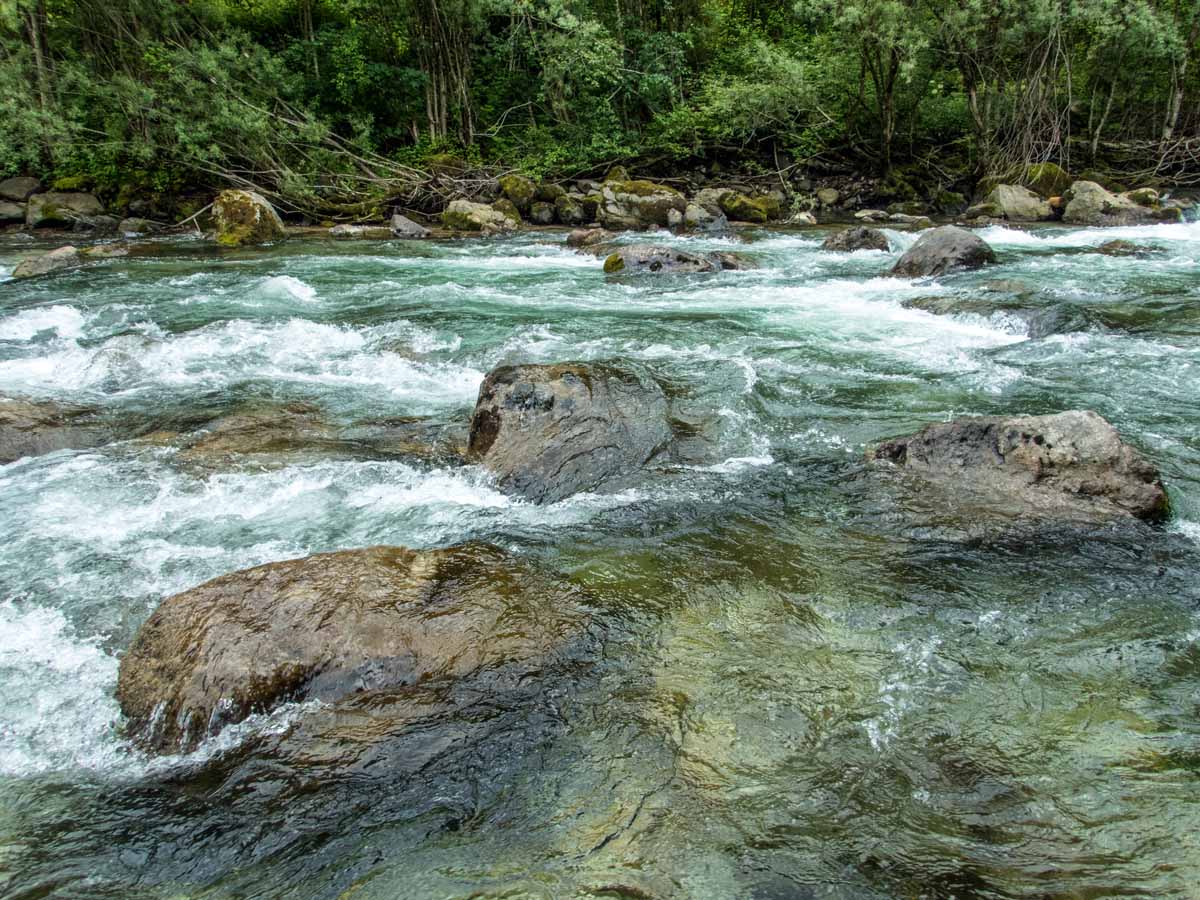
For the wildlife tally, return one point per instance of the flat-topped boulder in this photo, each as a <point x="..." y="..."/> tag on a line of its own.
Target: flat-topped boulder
<point x="1072" y="465"/>
<point x="245" y="218"/>
<point x="330" y="626"/>
<point x="20" y="188"/>
<point x="60" y="209"/>
<point x="549" y="431"/>
<point x="1087" y="203"/>
<point x="940" y="251"/>
<point x="655" y="258"/>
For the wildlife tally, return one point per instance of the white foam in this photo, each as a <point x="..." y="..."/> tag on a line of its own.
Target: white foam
<point x="63" y="321"/>
<point x="1003" y="235"/>
<point x="286" y="287"/>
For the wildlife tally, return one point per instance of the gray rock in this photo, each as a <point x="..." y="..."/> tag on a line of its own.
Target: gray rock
<point x="674" y="218"/>
<point x="20" y="188"/>
<point x="549" y="431"/>
<point x="802" y="218"/>
<point x="570" y="210"/>
<point x="1087" y="203"/>
<point x="588" y="237"/>
<point x="1016" y="204"/>
<point x="1071" y="464"/>
<point x="541" y="213"/>
<point x="30" y="428"/>
<point x="871" y="215"/>
<point x="11" y="212"/>
<point x="635" y="258"/>
<point x="135" y="225"/>
<point x="943" y="250"/>
<point x="59" y="209"/>
<point x="335" y="626"/>
<point x="856" y="238"/>
<point x="828" y="196"/>
<point x="360" y="232"/>
<point x="637" y="204"/>
<point x="404" y="227"/>
<point x="465" y="215"/>
<point x="914" y="221"/>
<point x="95" y="225"/>
<point x="59" y="258"/>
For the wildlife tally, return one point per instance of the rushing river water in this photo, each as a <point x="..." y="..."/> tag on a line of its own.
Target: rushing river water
<point x="804" y="683"/>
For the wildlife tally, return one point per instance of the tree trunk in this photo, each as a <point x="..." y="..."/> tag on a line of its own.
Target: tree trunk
<point x="35" y="25"/>
<point x="1175" y="102"/>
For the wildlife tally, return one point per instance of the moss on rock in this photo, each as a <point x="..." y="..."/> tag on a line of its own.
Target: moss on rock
<point x="244" y="217"/>
<point x="518" y="189"/>
<point x="1046" y="179"/>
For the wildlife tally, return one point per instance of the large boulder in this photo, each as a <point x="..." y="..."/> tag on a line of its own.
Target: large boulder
<point x="29" y="428"/>
<point x="404" y="227"/>
<point x="245" y="217"/>
<point x="856" y="238"/>
<point x="520" y="190"/>
<point x="20" y="189"/>
<point x="335" y="625"/>
<point x="549" y="431"/>
<point x="739" y="207"/>
<point x="55" y="209"/>
<point x="1047" y="179"/>
<point x="1087" y="203"/>
<point x="1071" y="464"/>
<point x="466" y="215"/>
<point x="11" y="212"/>
<point x="570" y="210"/>
<point x="60" y="258"/>
<point x="942" y="250"/>
<point x="1014" y="203"/>
<point x="637" y="204"/>
<point x="657" y="258"/>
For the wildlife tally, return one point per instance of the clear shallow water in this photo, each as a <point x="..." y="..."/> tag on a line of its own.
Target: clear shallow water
<point x="807" y="683"/>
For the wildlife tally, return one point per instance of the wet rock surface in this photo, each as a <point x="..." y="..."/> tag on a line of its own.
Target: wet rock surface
<point x="943" y="250"/>
<point x="857" y="238"/>
<point x="1070" y="464"/>
<point x="332" y="626"/>
<point x="549" y="431"/>
<point x="29" y="428"/>
<point x="654" y="258"/>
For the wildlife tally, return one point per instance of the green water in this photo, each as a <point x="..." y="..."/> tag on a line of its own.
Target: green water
<point x="802" y="680"/>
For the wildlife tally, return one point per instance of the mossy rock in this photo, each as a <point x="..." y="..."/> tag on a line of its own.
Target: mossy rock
<point x="457" y="220"/>
<point x="908" y="208"/>
<point x="548" y="192"/>
<point x="73" y="183"/>
<point x="570" y="211"/>
<point x="508" y="208"/>
<point x="521" y="191"/>
<point x="244" y="217"/>
<point x="1046" y="179"/>
<point x="897" y="187"/>
<point x="641" y="188"/>
<point x="614" y="263"/>
<point x="740" y="208"/>
<point x="1109" y="184"/>
<point x="591" y="206"/>
<point x="1144" y="197"/>
<point x="950" y="202"/>
<point x="617" y="173"/>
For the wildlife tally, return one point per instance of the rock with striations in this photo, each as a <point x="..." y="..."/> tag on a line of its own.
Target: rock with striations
<point x="29" y="428"/>
<point x="333" y="626"/>
<point x="55" y="209"/>
<point x="943" y="250"/>
<point x="245" y="218"/>
<point x="404" y="227"/>
<point x="549" y="431"/>
<point x="857" y="238"/>
<point x="1071" y="464"/>
<point x="20" y="189"/>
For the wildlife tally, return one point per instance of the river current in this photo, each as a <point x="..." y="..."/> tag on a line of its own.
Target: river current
<point x="803" y="684"/>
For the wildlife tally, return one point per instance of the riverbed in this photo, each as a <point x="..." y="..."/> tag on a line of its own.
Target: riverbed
<point x="801" y="683"/>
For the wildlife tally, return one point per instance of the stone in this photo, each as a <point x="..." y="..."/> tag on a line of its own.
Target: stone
<point x="20" y="189"/>
<point x="466" y="215"/>
<point x="1018" y="204"/>
<point x="1071" y="464"/>
<point x="1046" y="179"/>
<point x="60" y="258"/>
<point x="360" y="232"/>
<point x="636" y="258"/>
<point x="857" y="238"/>
<point x="942" y="250"/>
<point x="674" y="218"/>
<point x="871" y="215"/>
<point x="700" y="218"/>
<point x="548" y="431"/>
<point x="29" y="428"/>
<point x="244" y="218"/>
<point x="637" y="204"/>
<point x="541" y="213"/>
<point x="404" y="227"/>
<point x="908" y="208"/>
<point x="1087" y="203"/>
<point x="741" y="208"/>
<point x="520" y="190"/>
<point x="135" y="225"/>
<point x="588" y="237"/>
<point x="828" y="196"/>
<point x="617" y="173"/>
<point x="570" y="210"/>
<point x="335" y="626"/>
<point x="60" y="209"/>
<point x="912" y="221"/>
<point x="11" y="212"/>
<point x="802" y="218"/>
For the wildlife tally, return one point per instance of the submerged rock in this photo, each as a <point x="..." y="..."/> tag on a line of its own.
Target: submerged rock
<point x="588" y="237"/>
<point x="29" y="428"/>
<point x="1040" y="321"/>
<point x="1067" y="464"/>
<point x="943" y="250"/>
<point x="656" y="258"/>
<point x="334" y="625"/>
<point x="856" y="238"/>
<point x="549" y="431"/>
<point x="244" y="218"/>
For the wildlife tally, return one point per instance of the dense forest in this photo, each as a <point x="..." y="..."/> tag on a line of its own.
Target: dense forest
<point x="319" y="102"/>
